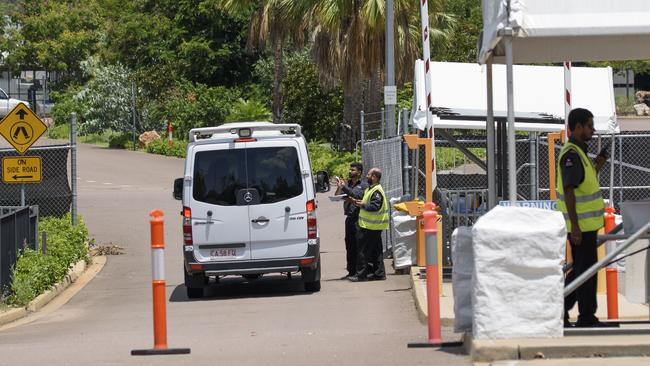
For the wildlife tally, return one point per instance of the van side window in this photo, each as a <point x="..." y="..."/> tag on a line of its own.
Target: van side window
<point x="218" y="175"/>
<point x="275" y="173"/>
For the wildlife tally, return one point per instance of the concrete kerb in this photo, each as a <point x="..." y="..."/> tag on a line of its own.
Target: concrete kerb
<point x="13" y="314"/>
<point x="419" y="291"/>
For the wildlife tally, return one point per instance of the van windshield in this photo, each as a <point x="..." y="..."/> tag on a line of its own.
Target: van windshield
<point x="273" y="171"/>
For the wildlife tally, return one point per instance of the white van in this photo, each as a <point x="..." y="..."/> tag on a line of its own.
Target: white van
<point x="248" y="204"/>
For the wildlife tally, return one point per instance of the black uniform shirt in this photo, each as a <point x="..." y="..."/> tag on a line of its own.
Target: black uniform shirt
<point x="573" y="172"/>
<point x="354" y="191"/>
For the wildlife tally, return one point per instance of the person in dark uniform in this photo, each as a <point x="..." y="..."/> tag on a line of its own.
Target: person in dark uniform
<point x="581" y="202"/>
<point x="354" y="189"/>
<point x="373" y="220"/>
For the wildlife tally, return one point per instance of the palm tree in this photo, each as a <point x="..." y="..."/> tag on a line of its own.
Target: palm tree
<point x="267" y="25"/>
<point x="348" y="45"/>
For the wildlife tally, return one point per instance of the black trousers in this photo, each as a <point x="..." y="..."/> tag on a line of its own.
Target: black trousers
<point x="351" y="238"/>
<point x="585" y="255"/>
<point x="370" y="259"/>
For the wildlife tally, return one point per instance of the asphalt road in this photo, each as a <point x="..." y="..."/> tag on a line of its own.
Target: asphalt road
<point x="271" y="321"/>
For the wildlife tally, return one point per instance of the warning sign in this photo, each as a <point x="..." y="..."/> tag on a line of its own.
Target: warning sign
<point x="21" y="128"/>
<point x="21" y="169"/>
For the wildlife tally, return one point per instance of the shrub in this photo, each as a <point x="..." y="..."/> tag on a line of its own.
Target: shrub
<point x="335" y="163"/>
<point x="59" y="132"/>
<point x="123" y="140"/>
<point x="161" y="147"/>
<point x="35" y="273"/>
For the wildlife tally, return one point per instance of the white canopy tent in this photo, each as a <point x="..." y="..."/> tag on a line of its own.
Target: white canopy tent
<point x="539" y="89"/>
<point x="556" y="31"/>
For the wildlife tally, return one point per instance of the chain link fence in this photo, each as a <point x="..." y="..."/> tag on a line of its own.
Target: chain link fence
<point x="54" y="194"/>
<point x="462" y="181"/>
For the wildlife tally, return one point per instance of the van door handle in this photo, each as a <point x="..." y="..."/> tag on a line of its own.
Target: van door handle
<point x="260" y="221"/>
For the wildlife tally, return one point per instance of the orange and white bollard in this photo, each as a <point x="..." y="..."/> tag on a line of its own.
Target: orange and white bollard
<point x="158" y="285"/>
<point x="430" y="217"/>
<point x="611" y="273"/>
<point x="170" y="129"/>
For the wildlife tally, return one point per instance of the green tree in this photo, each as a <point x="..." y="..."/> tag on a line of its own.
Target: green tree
<point x="349" y="45"/>
<point x="317" y="109"/>
<point x="268" y="26"/>
<point x="464" y="36"/>
<point x="56" y="35"/>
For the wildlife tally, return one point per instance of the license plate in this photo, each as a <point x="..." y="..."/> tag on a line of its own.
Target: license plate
<point x="223" y="253"/>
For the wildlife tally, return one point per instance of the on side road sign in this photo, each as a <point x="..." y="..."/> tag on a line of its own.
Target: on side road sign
<point x="21" y="128"/>
<point x="21" y="169"/>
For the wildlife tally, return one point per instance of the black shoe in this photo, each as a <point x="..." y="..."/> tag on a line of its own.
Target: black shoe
<point x="372" y="277"/>
<point x="346" y="277"/>
<point x="357" y="279"/>
<point x="595" y="324"/>
<point x="568" y="324"/>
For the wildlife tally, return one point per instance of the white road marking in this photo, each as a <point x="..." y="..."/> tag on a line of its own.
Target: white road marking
<point x="91" y="181"/>
<point x="107" y="183"/>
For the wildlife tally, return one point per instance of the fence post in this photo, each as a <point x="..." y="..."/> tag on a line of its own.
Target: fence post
<point x="383" y="122"/>
<point x="405" y="152"/>
<point x="44" y="242"/>
<point x="533" y="168"/>
<point x="362" y="132"/>
<point x="73" y="165"/>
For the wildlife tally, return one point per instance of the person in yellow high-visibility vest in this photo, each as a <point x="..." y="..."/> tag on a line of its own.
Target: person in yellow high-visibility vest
<point x="373" y="219"/>
<point x="581" y="202"/>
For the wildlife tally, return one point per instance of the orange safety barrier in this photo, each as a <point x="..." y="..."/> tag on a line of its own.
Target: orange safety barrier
<point x="158" y="289"/>
<point x="611" y="274"/>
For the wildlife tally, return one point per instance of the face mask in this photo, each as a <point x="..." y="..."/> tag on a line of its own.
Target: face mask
<point x="370" y="181"/>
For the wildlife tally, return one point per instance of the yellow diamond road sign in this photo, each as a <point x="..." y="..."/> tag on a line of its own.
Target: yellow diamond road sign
<point x="21" y="169"/>
<point x="21" y="128"/>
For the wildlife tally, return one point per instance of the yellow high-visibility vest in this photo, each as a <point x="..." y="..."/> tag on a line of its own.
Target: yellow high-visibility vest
<point x="589" y="200"/>
<point x="374" y="220"/>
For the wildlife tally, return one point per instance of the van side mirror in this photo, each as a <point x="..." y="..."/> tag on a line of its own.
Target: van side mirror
<point x="178" y="188"/>
<point x="322" y="181"/>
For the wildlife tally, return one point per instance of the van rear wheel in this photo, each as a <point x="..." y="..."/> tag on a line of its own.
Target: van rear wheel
<point x="312" y="286"/>
<point x="194" y="284"/>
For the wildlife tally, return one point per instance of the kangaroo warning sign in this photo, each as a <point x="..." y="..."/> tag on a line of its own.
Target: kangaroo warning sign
<point x="21" y="128"/>
<point x="21" y="169"/>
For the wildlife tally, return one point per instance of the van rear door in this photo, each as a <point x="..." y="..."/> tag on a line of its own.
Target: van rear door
<point x="278" y="223"/>
<point x="220" y="218"/>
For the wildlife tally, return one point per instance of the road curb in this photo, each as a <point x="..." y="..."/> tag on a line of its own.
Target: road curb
<point x="418" y="290"/>
<point x="43" y="299"/>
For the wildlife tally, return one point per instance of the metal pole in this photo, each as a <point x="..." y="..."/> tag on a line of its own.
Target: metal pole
<point x="22" y="195"/>
<point x="390" y="65"/>
<point x="362" y="132"/>
<point x="133" y="110"/>
<point x="73" y="165"/>
<point x="611" y="172"/>
<point x="603" y="262"/>
<point x="405" y="152"/>
<point x="383" y="123"/>
<point x="620" y="168"/>
<point x="533" y="167"/>
<point x="537" y="165"/>
<point x="512" y="151"/>
<point x="492" y="197"/>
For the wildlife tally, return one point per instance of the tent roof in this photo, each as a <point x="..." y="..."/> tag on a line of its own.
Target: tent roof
<point x="539" y="95"/>
<point x="561" y="30"/>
